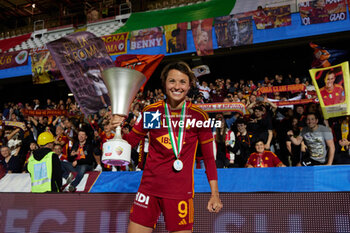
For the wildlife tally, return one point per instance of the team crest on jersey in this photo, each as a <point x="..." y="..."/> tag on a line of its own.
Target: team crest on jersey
<point x="151" y="120"/>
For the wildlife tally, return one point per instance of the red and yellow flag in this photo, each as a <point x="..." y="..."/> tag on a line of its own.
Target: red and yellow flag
<point x="146" y="64"/>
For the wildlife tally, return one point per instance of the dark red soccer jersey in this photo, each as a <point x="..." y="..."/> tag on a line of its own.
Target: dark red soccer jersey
<point x="159" y="178"/>
<point x="266" y="159"/>
<point x="336" y="96"/>
<point x="104" y="138"/>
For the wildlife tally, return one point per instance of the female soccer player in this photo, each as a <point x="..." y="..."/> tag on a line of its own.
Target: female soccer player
<point x="175" y="128"/>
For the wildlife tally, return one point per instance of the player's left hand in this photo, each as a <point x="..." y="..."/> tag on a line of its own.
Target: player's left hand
<point x="214" y="204"/>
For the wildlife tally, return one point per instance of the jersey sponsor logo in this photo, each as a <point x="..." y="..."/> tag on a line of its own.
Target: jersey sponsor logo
<point x="165" y="141"/>
<point x="151" y="120"/>
<point x="142" y="198"/>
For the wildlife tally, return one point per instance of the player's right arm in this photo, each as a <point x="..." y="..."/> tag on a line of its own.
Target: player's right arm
<point x="135" y="135"/>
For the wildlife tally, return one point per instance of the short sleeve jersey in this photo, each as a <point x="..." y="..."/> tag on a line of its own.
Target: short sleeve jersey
<point x="316" y="141"/>
<point x="159" y="178"/>
<point x="336" y="96"/>
<point x="266" y="159"/>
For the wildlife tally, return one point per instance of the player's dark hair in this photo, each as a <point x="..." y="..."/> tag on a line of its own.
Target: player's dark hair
<point x="181" y="66"/>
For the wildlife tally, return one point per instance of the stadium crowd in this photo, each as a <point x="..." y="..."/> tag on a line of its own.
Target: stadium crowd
<point x="269" y="136"/>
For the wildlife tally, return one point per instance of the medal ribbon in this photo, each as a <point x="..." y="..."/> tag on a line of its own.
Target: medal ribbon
<point x="176" y="147"/>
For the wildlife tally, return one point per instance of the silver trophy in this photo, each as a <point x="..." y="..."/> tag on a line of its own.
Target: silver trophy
<point x="123" y="85"/>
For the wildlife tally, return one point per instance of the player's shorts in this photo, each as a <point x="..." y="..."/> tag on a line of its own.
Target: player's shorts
<point x="100" y="88"/>
<point x="178" y="214"/>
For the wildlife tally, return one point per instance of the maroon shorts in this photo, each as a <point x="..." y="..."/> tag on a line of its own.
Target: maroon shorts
<point x="178" y="214"/>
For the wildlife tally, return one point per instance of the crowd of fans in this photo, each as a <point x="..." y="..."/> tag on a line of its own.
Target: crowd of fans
<point x="269" y="136"/>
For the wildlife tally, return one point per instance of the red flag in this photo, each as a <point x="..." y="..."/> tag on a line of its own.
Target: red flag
<point x="143" y="63"/>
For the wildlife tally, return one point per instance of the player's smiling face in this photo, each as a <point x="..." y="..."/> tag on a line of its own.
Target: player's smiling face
<point x="177" y="86"/>
<point x="330" y="81"/>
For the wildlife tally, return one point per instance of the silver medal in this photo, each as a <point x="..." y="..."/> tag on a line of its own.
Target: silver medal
<point x="178" y="165"/>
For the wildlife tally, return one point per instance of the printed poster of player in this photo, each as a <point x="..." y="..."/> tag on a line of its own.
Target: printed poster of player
<point x="332" y="88"/>
<point x="234" y="30"/>
<point x="176" y="37"/>
<point x="146" y="38"/>
<point x="202" y="36"/>
<point x="44" y="69"/>
<point x="81" y="58"/>
<point x="322" y="11"/>
<point x="272" y="17"/>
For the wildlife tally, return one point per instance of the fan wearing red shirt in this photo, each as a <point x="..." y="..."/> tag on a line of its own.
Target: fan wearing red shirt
<point x="263" y="158"/>
<point x="167" y="183"/>
<point x="106" y="134"/>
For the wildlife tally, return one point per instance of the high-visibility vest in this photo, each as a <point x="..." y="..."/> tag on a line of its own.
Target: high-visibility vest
<point x="40" y="173"/>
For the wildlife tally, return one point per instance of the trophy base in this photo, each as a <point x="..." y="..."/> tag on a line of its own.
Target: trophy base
<point x="115" y="162"/>
<point x="116" y="152"/>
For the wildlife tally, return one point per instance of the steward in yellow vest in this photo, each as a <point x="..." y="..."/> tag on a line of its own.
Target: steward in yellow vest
<point x="44" y="166"/>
